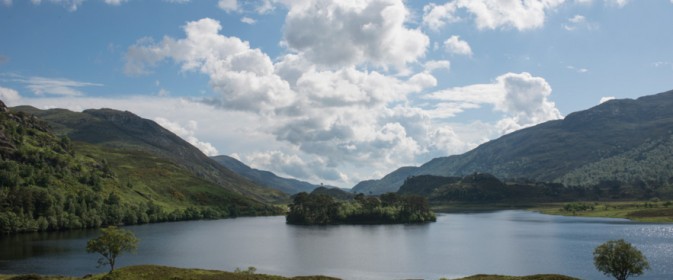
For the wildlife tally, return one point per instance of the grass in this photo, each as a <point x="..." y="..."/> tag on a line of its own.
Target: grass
<point x="641" y="211"/>
<point x="156" y="272"/>
<point x="531" y="277"/>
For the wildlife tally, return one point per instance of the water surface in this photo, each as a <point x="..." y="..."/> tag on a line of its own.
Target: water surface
<point x="504" y="242"/>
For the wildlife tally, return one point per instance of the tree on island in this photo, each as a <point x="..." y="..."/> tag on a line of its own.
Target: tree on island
<point x="110" y="244"/>
<point x="619" y="259"/>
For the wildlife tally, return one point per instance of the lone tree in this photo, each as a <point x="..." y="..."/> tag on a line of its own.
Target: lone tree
<point x="619" y="259"/>
<point x="111" y="243"/>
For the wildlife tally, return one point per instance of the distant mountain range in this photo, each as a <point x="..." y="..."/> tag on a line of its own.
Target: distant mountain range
<point x="625" y="140"/>
<point x="265" y="178"/>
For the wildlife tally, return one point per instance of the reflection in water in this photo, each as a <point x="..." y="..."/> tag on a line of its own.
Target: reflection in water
<point x="505" y="242"/>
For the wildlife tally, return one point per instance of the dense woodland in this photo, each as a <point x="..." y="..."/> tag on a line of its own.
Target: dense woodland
<point x="486" y="188"/>
<point x="46" y="185"/>
<point x="390" y="208"/>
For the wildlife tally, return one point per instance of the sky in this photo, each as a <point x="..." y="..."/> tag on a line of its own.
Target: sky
<point x="333" y="91"/>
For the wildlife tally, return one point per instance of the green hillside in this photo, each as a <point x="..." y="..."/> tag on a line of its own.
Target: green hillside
<point x="124" y="131"/>
<point x="50" y="182"/>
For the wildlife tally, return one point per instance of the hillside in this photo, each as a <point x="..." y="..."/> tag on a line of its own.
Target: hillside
<point x="264" y="178"/>
<point x="51" y="182"/>
<point x="126" y="132"/>
<point x="628" y="141"/>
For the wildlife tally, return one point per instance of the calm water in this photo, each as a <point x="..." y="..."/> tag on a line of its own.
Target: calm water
<point x="505" y="242"/>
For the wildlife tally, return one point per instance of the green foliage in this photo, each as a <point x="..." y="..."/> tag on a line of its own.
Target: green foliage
<point x="321" y="209"/>
<point x="49" y="183"/>
<point x="619" y="259"/>
<point x="110" y="244"/>
<point x="578" y="207"/>
<point x="250" y="271"/>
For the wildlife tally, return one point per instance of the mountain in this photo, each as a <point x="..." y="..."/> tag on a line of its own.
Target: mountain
<point x="628" y="141"/>
<point x="125" y="132"/>
<point x="265" y="178"/>
<point x="116" y="169"/>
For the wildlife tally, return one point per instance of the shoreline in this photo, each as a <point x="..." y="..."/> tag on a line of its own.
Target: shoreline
<point x="157" y="272"/>
<point x="637" y="211"/>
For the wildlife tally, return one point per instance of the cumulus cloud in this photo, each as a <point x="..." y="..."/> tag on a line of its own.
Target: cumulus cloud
<point x="455" y="45"/>
<point x="525" y="101"/>
<point x="7" y="3"/>
<point x="492" y="14"/>
<point x="9" y="96"/>
<point x="244" y="77"/>
<point x="317" y="121"/>
<point x="187" y="133"/>
<point x="606" y="99"/>
<point x="522" y="97"/>
<point x="346" y="33"/>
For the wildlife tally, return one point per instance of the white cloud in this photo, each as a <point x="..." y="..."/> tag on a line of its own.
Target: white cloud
<point x="296" y="116"/>
<point x="578" y="70"/>
<point x="9" y="96"/>
<point x="228" y="5"/>
<point x="71" y="5"/>
<point x="53" y="86"/>
<point x="115" y="2"/>
<point x="606" y="99"/>
<point x="579" y="21"/>
<point x="433" y="65"/>
<point x="617" y="3"/>
<point x="248" y="20"/>
<point x="7" y="3"/>
<point x="522" y="97"/>
<point x="525" y="101"/>
<point x="436" y="16"/>
<point x="187" y="133"/>
<point x="492" y="14"/>
<point x="163" y="92"/>
<point x="244" y="77"/>
<point x="455" y="45"/>
<point x="346" y="33"/>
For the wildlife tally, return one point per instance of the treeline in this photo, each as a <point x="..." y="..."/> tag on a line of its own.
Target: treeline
<point x="390" y="208"/>
<point x="486" y="188"/>
<point x="29" y="209"/>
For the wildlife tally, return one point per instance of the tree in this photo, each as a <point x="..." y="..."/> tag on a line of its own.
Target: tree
<point x="111" y="243"/>
<point x="619" y="259"/>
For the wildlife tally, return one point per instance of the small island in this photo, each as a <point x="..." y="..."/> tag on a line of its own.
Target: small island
<point x="389" y="208"/>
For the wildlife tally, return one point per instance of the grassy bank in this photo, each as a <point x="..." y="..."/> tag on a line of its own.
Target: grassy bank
<point x="151" y="272"/>
<point x="641" y="211"/>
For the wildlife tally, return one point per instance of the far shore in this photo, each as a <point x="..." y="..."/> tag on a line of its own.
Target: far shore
<point x="639" y="211"/>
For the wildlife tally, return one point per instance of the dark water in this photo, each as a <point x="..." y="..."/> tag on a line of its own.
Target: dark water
<point x="505" y="242"/>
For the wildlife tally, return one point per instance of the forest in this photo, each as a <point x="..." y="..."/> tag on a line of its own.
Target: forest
<point x="389" y="208"/>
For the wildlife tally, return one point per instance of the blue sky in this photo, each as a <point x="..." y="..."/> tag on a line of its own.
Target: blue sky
<point x="335" y="91"/>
